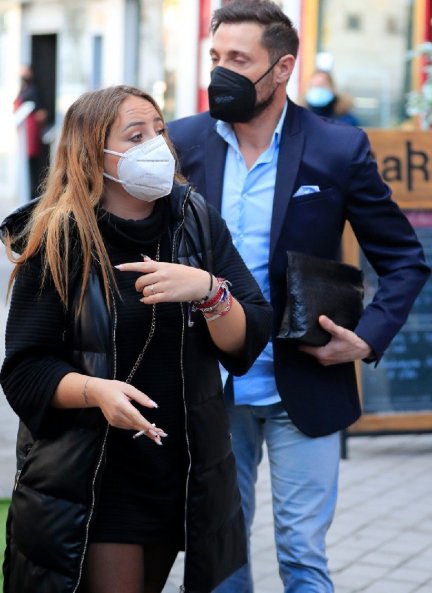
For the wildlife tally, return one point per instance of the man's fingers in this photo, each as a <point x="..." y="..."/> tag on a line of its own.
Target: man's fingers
<point x="329" y="325"/>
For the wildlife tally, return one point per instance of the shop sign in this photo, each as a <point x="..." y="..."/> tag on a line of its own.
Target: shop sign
<point x="404" y="160"/>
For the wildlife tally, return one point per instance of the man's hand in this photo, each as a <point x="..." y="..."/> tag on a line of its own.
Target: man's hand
<point x="344" y="346"/>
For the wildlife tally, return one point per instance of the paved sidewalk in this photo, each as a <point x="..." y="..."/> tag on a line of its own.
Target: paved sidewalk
<point x="381" y="538"/>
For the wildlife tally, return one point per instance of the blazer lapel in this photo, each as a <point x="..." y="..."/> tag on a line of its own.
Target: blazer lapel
<point x="215" y="152"/>
<point x="290" y="155"/>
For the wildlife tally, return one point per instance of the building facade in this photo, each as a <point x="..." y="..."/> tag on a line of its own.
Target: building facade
<point x="77" y="45"/>
<point x="162" y="46"/>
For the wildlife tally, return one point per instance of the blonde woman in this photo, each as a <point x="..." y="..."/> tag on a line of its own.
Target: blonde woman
<point x="127" y="295"/>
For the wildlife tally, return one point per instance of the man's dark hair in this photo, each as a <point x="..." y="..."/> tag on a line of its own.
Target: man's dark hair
<point x="279" y="35"/>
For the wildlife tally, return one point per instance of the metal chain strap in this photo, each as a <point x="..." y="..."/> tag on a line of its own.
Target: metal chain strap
<point x="150" y="335"/>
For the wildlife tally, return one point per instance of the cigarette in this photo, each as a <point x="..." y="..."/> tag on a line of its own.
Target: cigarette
<point x="141" y="432"/>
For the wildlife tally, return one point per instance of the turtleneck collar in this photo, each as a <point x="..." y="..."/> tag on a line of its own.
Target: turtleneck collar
<point x="136" y="232"/>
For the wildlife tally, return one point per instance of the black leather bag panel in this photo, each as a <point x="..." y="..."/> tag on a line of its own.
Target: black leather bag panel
<point x="315" y="287"/>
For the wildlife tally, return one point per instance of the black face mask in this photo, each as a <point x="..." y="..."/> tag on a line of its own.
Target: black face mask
<point x="232" y="96"/>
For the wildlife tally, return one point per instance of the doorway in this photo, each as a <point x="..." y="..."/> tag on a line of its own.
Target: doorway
<point x="44" y="60"/>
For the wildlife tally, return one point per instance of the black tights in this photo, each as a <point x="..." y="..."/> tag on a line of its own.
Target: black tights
<point x="127" y="568"/>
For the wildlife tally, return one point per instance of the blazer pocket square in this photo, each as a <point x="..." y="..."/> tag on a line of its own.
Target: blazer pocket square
<point x="303" y="190"/>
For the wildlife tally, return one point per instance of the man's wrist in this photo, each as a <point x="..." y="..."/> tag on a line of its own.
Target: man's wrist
<point x="367" y="354"/>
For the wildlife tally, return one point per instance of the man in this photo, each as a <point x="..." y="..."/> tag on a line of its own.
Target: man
<point x="283" y="179"/>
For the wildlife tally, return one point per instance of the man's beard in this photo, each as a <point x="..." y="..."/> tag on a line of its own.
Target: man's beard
<point x="262" y="106"/>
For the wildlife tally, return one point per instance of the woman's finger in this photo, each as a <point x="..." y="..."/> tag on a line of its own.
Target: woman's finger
<point x="133" y="393"/>
<point x="130" y="418"/>
<point x="145" y="280"/>
<point x="152" y="432"/>
<point x="144" y="427"/>
<point x="145" y="267"/>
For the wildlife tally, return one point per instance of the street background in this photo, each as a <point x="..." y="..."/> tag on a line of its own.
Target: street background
<point x="381" y="538"/>
<point x="162" y="46"/>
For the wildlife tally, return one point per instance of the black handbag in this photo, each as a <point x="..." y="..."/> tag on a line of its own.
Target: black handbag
<point x="315" y="287"/>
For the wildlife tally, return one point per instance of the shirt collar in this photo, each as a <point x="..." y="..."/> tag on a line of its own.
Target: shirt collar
<point x="226" y="131"/>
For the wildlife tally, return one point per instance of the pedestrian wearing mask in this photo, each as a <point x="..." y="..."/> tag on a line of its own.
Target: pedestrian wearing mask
<point x="127" y="295"/>
<point x="322" y="99"/>
<point x="285" y="179"/>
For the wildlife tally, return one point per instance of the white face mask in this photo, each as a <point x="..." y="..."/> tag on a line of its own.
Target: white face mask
<point x="145" y="171"/>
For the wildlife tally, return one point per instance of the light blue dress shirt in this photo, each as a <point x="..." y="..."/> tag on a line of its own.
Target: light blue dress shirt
<point x="247" y="204"/>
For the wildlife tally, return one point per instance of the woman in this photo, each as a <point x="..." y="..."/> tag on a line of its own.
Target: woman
<point x="121" y="311"/>
<point x="322" y="98"/>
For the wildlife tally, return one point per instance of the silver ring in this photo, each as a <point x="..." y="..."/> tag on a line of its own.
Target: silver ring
<point x="152" y="290"/>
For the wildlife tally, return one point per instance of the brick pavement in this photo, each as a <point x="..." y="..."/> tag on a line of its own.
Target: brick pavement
<point x="381" y="537"/>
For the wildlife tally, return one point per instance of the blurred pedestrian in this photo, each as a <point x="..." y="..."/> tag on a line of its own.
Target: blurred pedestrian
<point x="128" y="291"/>
<point x="285" y="179"/>
<point x="34" y="123"/>
<point x="321" y="98"/>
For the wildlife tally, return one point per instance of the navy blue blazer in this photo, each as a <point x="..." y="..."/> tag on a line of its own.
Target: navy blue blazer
<point x="336" y="158"/>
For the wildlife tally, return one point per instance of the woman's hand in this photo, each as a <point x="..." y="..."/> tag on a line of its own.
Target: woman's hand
<point x="114" y="399"/>
<point x="165" y="282"/>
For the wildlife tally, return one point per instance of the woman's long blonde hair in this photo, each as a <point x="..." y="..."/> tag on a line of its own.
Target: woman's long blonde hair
<point x="73" y="189"/>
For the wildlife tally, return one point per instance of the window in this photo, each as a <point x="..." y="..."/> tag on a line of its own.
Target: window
<point x="353" y="22"/>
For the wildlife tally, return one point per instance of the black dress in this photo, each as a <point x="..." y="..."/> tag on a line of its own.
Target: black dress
<point x="142" y="494"/>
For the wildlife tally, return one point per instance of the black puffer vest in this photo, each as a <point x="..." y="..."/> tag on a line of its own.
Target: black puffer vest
<point x="56" y="490"/>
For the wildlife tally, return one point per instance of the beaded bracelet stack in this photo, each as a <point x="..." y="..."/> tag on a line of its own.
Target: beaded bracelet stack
<point x="214" y="305"/>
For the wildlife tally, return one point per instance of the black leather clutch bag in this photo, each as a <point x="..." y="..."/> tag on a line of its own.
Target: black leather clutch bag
<point x="315" y="287"/>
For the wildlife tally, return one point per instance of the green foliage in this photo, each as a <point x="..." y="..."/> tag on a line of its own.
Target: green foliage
<point x="4" y="505"/>
<point x="420" y="102"/>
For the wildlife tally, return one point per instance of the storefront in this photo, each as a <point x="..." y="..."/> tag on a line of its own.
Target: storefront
<point x="10" y="26"/>
<point x="73" y="47"/>
<point x="163" y="46"/>
<point x="365" y="46"/>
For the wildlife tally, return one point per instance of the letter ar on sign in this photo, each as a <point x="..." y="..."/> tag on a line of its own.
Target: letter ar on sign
<point x="415" y="166"/>
<point x="410" y="166"/>
<point x="418" y="163"/>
